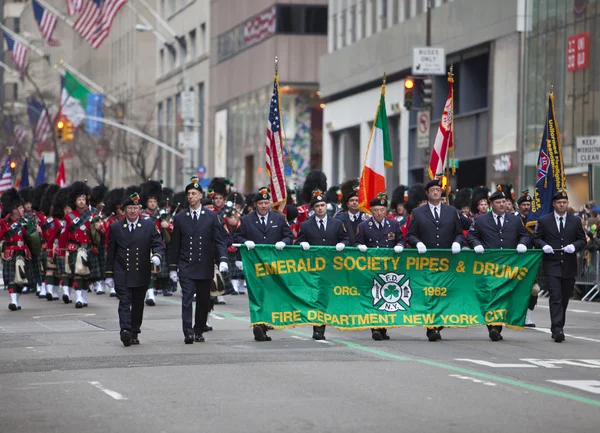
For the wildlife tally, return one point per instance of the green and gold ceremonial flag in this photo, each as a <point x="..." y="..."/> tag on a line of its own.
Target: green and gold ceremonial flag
<point x="351" y="290"/>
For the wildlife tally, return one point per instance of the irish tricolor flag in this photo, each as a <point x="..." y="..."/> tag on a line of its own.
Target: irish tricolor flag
<point x="379" y="156"/>
<point x="73" y="99"/>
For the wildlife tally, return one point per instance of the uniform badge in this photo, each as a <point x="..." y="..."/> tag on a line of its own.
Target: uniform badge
<point x="63" y="223"/>
<point x="202" y="212"/>
<point x="391" y="236"/>
<point x="139" y="225"/>
<point x="370" y="223"/>
<point x="76" y="220"/>
<point x="50" y="219"/>
<point x="187" y="213"/>
<point x="83" y="228"/>
<point x="124" y="225"/>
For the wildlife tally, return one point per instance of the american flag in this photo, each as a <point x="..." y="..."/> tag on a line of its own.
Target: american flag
<point x="18" y="52"/>
<point x="259" y="27"/>
<point x="274" y="148"/>
<point x="74" y="6"/>
<point x="6" y="180"/>
<point x="18" y="132"/>
<point x="46" y="22"/>
<point x="96" y="18"/>
<point x="40" y="120"/>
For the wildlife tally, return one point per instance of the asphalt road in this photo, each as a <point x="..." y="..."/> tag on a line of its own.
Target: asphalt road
<point x="65" y="370"/>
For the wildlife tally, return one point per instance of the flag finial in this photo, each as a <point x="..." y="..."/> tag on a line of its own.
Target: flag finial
<point x="552" y="89"/>
<point x="276" y="65"/>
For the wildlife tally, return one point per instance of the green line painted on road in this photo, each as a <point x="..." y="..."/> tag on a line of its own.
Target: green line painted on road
<point x="444" y="366"/>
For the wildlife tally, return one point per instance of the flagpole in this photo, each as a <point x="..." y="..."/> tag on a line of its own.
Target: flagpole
<point x="57" y="13"/>
<point x="23" y="41"/>
<point x="291" y="162"/>
<point x="9" y="69"/>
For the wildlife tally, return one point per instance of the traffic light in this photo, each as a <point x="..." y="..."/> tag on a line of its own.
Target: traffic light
<point x="13" y="165"/>
<point x="68" y="132"/>
<point x="409" y="85"/>
<point x="427" y="92"/>
<point x="60" y="126"/>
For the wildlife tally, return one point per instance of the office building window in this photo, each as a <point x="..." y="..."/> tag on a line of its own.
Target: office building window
<point x="363" y="19"/>
<point x="420" y="6"/>
<point x="203" y="38"/>
<point x="383" y="13"/>
<point x="298" y="19"/>
<point x="182" y="54"/>
<point x="407" y="9"/>
<point x="343" y="29"/>
<point x="160" y="117"/>
<point x="171" y="6"/>
<point x="395" y="11"/>
<point x="374" y="16"/>
<point x="193" y="44"/>
<point x="201" y="122"/>
<point x="172" y="59"/>
<point x="161" y="61"/>
<point x="334" y="22"/>
<point x="353" y="24"/>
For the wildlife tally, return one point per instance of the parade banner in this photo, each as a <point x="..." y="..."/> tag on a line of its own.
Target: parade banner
<point x="350" y="290"/>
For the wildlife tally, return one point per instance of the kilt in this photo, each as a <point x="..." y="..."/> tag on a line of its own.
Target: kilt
<point x="43" y="263"/>
<point x="91" y="260"/>
<point x="234" y="272"/>
<point x="96" y="265"/>
<point x="100" y="268"/>
<point x="9" y="268"/>
<point x="164" y="266"/>
<point x="61" y="270"/>
<point x="35" y="272"/>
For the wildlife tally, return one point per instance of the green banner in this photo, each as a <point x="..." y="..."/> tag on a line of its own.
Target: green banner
<point x="350" y="290"/>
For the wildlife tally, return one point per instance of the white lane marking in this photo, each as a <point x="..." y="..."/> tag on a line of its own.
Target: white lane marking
<point x="44" y="326"/>
<point x="492" y="364"/>
<point x="557" y="363"/>
<point x="214" y="316"/>
<point x="297" y="337"/>
<point x="548" y="331"/>
<point x="592" y="386"/>
<point x="322" y="341"/>
<point x="107" y="391"/>
<point x="52" y="383"/>
<point x="31" y="348"/>
<point x="64" y="315"/>
<point x="473" y="379"/>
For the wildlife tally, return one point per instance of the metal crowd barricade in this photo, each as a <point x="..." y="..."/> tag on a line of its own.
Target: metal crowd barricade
<point x="588" y="273"/>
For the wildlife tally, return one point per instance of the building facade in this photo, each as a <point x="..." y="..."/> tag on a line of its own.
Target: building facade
<point x="482" y="40"/>
<point x="563" y="51"/>
<point x="246" y="37"/>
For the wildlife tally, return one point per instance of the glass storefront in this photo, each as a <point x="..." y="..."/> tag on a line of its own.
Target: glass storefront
<point x="563" y="51"/>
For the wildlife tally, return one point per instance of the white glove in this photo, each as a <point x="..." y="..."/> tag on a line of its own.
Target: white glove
<point x="398" y="249"/>
<point x="479" y="249"/>
<point x="455" y="248"/>
<point x="569" y="249"/>
<point x="339" y="247"/>
<point x="280" y="245"/>
<point x="239" y="265"/>
<point x="362" y="248"/>
<point x="110" y="283"/>
<point x="249" y="244"/>
<point x="223" y="267"/>
<point x="155" y="260"/>
<point x="305" y="246"/>
<point x="521" y="248"/>
<point x="173" y="276"/>
<point x="548" y="249"/>
<point x="421" y="248"/>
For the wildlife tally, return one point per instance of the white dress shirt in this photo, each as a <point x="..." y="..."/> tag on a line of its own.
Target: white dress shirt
<point x="197" y="212"/>
<point x="557" y="219"/>
<point x="319" y="222"/>
<point x="496" y="219"/>
<point x="438" y="207"/>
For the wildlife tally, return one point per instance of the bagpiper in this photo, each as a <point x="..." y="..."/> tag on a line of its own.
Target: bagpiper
<point x="151" y="195"/>
<point x="97" y="206"/>
<point x="61" y="202"/>
<point x="398" y="211"/>
<point x="50" y="232"/>
<point x="315" y="180"/>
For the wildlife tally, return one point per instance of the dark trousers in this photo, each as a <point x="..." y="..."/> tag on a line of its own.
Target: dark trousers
<point x="202" y="290"/>
<point x="131" y="307"/>
<point x="561" y="290"/>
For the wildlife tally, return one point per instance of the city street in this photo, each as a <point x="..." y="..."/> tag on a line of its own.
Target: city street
<point x="65" y="370"/>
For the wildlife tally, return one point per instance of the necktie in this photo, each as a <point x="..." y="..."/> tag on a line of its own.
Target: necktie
<point x="499" y="222"/>
<point x="263" y="221"/>
<point x="435" y="214"/>
<point x="195" y="216"/>
<point x="131" y="227"/>
<point x="560" y="224"/>
<point x="322" y="226"/>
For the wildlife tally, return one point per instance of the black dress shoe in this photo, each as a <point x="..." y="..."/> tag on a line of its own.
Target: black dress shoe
<point x="198" y="338"/>
<point x="495" y="335"/>
<point x="433" y="335"/>
<point x="66" y="299"/>
<point x="234" y="293"/>
<point x="135" y="339"/>
<point x="49" y="296"/>
<point x="167" y="293"/>
<point x="559" y="337"/>
<point x="126" y="338"/>
<point x="78" y="305"/>
<point x="384" y="334"/>
<point x="150" y="302"/>
<point x="259" y="333"/>
<point x="318" y="336"/>
<point x="207" y="328"/>
<point x="189" y="339"/>
<point x="376" y="335"/>
<point x="112" y="295"/>
<point x="12" y="307"/>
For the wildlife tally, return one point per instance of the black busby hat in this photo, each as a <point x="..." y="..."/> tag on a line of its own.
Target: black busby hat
<point x="114" y="197"/>
<point x="498" y="194"/>
<point x="318" y="197"/>
<point x="151" y="189"/>
<point x="47" y="198"/>
<point x="59" y="202"/>
<point x="398" y="196"/>
<point x="11" y="199"/>
<point x="98" y="194"/>
<point x="380" y="200"/>
<point x="479" y="193"/>
<point x="463" y="198"/>
<point x="525" y="197"/>
<point x="77" y="190"/>
<point x="248" y="203"/>
<point x="415" y="195"/>
<point x="349" y="189"/>
<point x="235" y="198"/>
<point x="38" y="193"/>
<point x="220" y="185"/>
<point x="333" y="195"/>
<point x="291" y="195"/>
<point x="508" y="191"/>
<point x="208" y="200"/>
<point x="263" y="194"/>
<point x="26" y="194"/>
<point x="194" y="184"/>
<point x="561" y="194"/>
<point x="134" y="199"/>
<point x="291" y="213"/>
<point x="167" y="197"/>
<point x="315" y="179"/>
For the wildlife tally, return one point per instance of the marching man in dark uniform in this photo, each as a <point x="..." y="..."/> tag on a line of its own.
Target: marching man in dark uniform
<point x="435" y="225"/>
<point x="262" y="226"/>
<point x="323" y="231"/>
<point x="130" y="243"/>
<point x="523" y="209"/>
<point x="351" y="217"/>
<point x="198" y="241"/>
<point x="560" y="235"/>
<point x="379" y="232"/>
<point x="500" y="230"/>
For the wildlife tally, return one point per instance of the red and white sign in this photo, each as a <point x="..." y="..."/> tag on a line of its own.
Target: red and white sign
<point x="578" y="49"/>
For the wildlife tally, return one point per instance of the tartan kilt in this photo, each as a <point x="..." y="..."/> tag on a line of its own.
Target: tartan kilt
<point x="164" y="266"/>
<point x="92" y="261"/>
<point x="9" y="268"/>
<point x="61" y="270"/>
<point x="96" y="266"/>
<point x="234" y="272"/>
<point x="43" y="263"/>
<point x="35" y="273"/>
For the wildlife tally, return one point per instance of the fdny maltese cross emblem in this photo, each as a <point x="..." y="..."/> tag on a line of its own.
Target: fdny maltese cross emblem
<point x="394" y="294"/>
